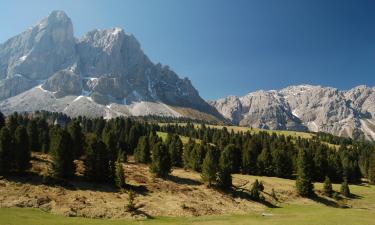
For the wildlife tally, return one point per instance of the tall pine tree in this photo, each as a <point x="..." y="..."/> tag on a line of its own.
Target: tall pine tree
<point x="304" y="183"/>
<point x="22" y="152"/>
<point x="161" y="162"/>
<point x="6" y="159"/>
<point x="210" y="166"/>
<point x="62" y="155"/>
<point x="142" y="152"/>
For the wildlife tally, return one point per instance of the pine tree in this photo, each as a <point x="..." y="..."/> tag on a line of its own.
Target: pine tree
<point x="109" y="138"/>
<point x="22" y="152"/>
<point x="161" y="163"/>
<point x="120" y="175"/>
<point x="2" y="120"/>
<point x="234" y="157"/>
<point x="142" y="152"/>
<point x="33" y="134"/>
<point x="345" y="191"/>
<point x="224" y="175"/>
<point x="96" y="161"/>
<point x="264" y="162"/>
<point x="62" y="155"/>
<point x="210" y="167"/>
<point x="188" y="148"/>
<point x="304" y="183"/>
<point x="175" y="150"/>
<point x="196" y="157"/>
<point x="327" y="187"/>
<point x="6" y="159"/>
<point x="75" y="131"/>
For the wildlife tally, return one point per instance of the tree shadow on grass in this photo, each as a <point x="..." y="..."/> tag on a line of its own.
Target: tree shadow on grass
<point x="75" y="183"/>
<point x="244" y="194"/>
<point x="182" y="180"/>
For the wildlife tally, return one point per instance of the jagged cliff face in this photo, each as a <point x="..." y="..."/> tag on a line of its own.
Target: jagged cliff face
<point x="305" y="107"/>
<point x="104" y="67"/>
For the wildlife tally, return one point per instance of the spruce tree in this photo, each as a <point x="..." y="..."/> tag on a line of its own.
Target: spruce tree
<point x="210" y="167"/>
<point x="175" y="150"/>
<point x="224" y="175"/>
<point x="188" y="147"/>
<point x="96" y="161"/>
<point x="62" y="155"/>
<point x="142" y="152"/>
<point x="2" y="120"/>
<point x="196" y="157"/>
<point x="6" y="159"/>
<point x="327" y="187"/>
<point x="33" y="134"/>
<point x="345" y="191"/>
<point x="264" y="162"/>
<point x="22" y="152"/>
<point x="120" y="175"/>
<point x="75" y="131"/>
<point x="161" y="162"/>
<point x="304" y="183"/>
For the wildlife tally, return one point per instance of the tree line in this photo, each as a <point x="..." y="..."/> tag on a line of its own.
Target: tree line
<point x="104" y="145"/>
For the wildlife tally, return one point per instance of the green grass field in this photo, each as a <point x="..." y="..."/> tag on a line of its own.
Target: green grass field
<point x="288" y="214"/>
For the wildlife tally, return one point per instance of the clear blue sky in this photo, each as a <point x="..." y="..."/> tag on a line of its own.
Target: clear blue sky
<point x="231" y="47"/>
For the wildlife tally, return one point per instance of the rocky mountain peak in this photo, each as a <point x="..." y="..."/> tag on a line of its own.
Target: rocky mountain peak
<point x="104" y="68"/>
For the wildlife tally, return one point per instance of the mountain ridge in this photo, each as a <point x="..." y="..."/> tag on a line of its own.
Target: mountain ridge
<point x="105" y="67"/>
<point x="305" y="108"/>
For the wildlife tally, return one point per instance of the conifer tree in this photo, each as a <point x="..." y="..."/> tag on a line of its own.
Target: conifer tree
<point x="62" y="155"/>
<point x="196" y="157"/>
<point x="2" y="120"/>
<point x="22" y="152"/>
<point x="210" y="167"/>
<point x="120" y="175"/>
<point x="142" y="152"/>
<point x="33" y="134"/>
<point x="161" y="162"/>
<point x="75" y="131"/>
<point x="109" y="138"/>
<point x="6" y="159"/>
<point x="96" y="161"/>
<point x="188" y="147"/>
<point x="345" y="191"/>
<point x="175" y="150"/>
<point x="304" y="183"/>
<point x="224" y="175"/>
<point x="327" y="187"/>
<point x="264" y="162"/>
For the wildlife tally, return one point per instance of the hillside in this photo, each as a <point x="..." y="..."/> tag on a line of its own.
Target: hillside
<point x="182" y="195"/>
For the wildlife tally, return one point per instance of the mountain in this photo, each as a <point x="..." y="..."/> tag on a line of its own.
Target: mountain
<point x="104" y="73"/>
<point x="305" y="108"/>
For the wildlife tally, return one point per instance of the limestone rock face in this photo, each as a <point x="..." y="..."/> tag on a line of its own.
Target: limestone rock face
<point x="305" y="107"/>
<point x="105" y="66"/>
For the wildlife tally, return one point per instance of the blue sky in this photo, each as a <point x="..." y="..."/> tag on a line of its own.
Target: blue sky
<point x="231" y="47"/>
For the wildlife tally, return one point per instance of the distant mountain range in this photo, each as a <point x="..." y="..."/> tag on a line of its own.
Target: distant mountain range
<point x="104" y="73"/>
<point x="305" y="108"/>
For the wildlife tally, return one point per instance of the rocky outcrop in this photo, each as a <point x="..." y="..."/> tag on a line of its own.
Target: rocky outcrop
<point x="304" y="107"/>
<point x="107" y="66"/>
